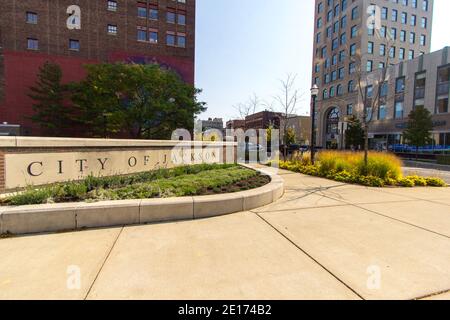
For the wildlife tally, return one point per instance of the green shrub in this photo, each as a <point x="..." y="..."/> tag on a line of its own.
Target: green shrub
<point x="418" y="181"/>
<point x="390" y="182"/>
<point x="345" y="176"/>
<point x="405" y="182"/>
<point x="32" y="196"/>
<point x="435" y="182"/>
<point x="371" y="181"/>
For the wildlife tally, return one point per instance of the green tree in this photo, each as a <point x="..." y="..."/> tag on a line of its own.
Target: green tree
<point x="354" y="136"/>
<point x="144" y="100"/>
<point x="290" y="136"/>
<point x="50" y="111"/>
<point x="418" y="131"/>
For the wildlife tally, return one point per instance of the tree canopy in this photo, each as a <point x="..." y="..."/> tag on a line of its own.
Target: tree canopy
<point x="51" y="113"/>
<point x="354" y="135"/>
<point x="420" y="125"/>
<point x="145" y="101"/>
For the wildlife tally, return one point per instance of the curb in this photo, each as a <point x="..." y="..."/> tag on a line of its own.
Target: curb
<point x="78" y="216"/>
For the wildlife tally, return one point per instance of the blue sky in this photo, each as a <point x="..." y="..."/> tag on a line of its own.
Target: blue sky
<point x="247" y="46"/>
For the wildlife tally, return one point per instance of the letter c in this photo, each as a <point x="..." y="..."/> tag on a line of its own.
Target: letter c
<point x="30" y="167"/>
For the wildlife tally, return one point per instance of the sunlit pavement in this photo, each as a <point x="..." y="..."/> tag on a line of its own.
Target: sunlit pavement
<point x="322" y="240"/>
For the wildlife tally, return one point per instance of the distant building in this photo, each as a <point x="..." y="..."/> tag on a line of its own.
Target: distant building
<point x="236" y="124"/>
<point x="301" y="126"/>
<point x="263" y="120"/>
<point x="216" y="123"/>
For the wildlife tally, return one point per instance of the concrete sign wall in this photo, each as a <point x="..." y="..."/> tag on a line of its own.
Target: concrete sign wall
<point x="49" y="162"/>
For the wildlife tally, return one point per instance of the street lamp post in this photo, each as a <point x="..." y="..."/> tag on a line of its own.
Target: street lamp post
<point x="314" y="94"/>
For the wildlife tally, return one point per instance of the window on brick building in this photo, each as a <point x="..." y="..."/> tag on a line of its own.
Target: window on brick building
<point x="141" y="35"/>
<point x="74" y="45"/>
<point x="32" y="17"/>
<point x="171" y="16"/>
<point x="182" y="18"/>
<point x="153" y="13"/>
<point x="112" y="29"/>
<point x="112" y="5"/>
<point x="142" y="11"/>
<point x="153" y="36"/>
<point x="32" y="44"/>
<point x="170" y="39"/>
<point x="182" y="40"/>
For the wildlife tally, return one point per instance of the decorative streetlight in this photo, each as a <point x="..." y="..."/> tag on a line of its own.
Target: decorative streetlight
<point x="314" y="94"/>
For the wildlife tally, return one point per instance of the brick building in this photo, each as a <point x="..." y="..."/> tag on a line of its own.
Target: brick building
<point x="72" y="33"/>
<point x="263" y="120"/>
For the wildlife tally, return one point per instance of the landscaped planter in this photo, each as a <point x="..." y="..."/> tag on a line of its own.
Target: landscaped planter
<point x="78" y="216"/>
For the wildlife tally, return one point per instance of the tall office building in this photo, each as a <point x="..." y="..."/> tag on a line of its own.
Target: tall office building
<point x="72" y="33"/>
<point x="359" y="38"/>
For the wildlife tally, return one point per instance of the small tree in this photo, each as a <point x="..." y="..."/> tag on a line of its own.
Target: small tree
<point x="354" y="136"/>
<point x="251" y="106"/>
<point x="418" y="131"/>
<point x="53" y="116"/>
<point x="290" y="136"/>
<point x="287" y="101"/>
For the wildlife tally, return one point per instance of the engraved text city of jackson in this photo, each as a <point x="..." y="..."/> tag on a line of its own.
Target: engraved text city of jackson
<point x="24" y="169"/>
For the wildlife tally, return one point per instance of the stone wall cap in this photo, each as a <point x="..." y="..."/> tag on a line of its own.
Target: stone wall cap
<point x="42" y="142"/>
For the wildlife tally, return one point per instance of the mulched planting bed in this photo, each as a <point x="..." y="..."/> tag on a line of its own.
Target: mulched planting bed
<point x="196" y="180"/>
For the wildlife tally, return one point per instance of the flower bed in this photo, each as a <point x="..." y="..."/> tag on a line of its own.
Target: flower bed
<point x="383" y="169"/>
<point x="178" y="182"/>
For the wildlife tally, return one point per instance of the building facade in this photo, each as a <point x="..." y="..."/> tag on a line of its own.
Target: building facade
<point x="216" y="123"/>
<point x="73" y="33"/>
<point x="423" y="81"/>
<point x="354" y="39"/>
<point x="235" y="124"/>
<point x="301" y="126"/>
<point x="263" y="120"/>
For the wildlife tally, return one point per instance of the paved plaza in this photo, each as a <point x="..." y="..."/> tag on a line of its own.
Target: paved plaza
<point x="322" y="240"/>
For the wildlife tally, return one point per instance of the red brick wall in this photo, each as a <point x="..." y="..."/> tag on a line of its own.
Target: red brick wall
<point x="21" y="65"/>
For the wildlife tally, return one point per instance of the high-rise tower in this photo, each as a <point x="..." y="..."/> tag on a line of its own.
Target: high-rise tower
<point x="358" y="37"/>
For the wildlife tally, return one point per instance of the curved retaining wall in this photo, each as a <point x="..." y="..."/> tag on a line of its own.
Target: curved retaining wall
<point x="77" y="216"/>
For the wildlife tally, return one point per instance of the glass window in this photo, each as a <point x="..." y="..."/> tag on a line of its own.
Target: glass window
<point x="142" y="12"/>
<point x="141" y="35"/>
<point x="153" y="13"/>
<point x="182" y="41"/>
<point x="74" y="45"/>
<point x="153" y="36"/>
<point x="112" y="5"/>
<point x="442" y="105"/>
<point x="32" y="44"/>
<point x="112" y="29"/>
<point x="182" y="19"/>
<point x="32" y="17"/>
<point x="382" y="112"/>
<point x="400" y="85"/>
<point x="399" y="110"/>
<point x="170" y="39"/>
<point x="171" y="16"/>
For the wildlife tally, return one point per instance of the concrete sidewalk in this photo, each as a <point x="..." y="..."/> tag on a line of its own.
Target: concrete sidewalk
<point x="322" y="240"/>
